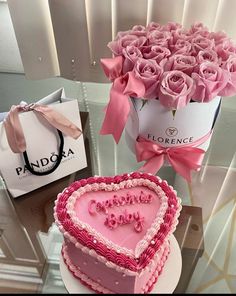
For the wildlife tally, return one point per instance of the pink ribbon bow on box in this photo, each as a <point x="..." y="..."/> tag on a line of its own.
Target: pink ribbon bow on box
<point x="124" y="86"/>
<point x="14" y="131"/>
<point x="182" y="158"/>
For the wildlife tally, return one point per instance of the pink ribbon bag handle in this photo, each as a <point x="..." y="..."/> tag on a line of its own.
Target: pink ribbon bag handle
<point x="16" y="139"/>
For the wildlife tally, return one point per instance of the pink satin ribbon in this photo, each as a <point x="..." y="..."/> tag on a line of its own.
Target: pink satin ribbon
<point x="14" y="131"/>
<point x="183" y="158"/>
<point x="124" y="86"/>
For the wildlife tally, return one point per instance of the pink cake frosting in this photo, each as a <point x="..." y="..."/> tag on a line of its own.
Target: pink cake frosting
<point x="116" y="230"/>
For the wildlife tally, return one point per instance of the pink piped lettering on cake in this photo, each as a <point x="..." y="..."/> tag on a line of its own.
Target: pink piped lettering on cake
<point x="116" y="201"/>
<point x="92" y="207"/>
<point x="138" y="226"/>
<point x="113" y="221"/>
<point x="130" y="199"/>
<point x="101" y="207"/>
<point x="139" y="221"/>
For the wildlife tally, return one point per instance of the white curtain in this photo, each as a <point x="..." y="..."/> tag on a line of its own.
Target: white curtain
<point x="68" y="38"/>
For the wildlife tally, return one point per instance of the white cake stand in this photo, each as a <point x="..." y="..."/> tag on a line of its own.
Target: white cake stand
<point x="166" y="282"/>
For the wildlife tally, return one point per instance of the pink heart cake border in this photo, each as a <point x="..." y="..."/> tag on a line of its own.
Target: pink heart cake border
<point x="112" y="255"/>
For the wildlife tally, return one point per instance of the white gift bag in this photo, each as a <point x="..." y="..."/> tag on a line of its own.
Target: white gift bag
<point x="50" y="154"/>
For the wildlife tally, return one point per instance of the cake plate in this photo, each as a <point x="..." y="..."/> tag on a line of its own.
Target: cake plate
<point x="166" y="282"/>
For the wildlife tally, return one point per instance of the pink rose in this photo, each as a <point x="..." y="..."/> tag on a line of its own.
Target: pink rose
<point x="201" y="43"/>
<point x="118" y="45"/>
<point x="159" y="38"/>
<point x="209" y="80"/>
<point x="181" y="46"/>
<point x="198" y="28"/>
<point x="171" y="26"/>
<point x="176" y="89"/>
<point x="138" y="30"/>
<point x="154" y="26"/>
<point x="122" y="34"/>
<point x="207" y="56"/>
<point x="182" y="34"/>
<point x="182" y="63"/>
<point x="219" y="37"/>
<point x="149" y="72"/>
<point x="131" y="54"/>
<point x="230" y="67"/>
<point x="225" y="49"/>
<point x="202" y="33"/>
<point x="156" y="52"/>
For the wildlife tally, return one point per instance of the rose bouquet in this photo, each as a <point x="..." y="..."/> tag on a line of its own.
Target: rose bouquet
<point x="169" y="64"/>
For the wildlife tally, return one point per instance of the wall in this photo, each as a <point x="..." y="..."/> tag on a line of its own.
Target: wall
<point x="10" y="60"/>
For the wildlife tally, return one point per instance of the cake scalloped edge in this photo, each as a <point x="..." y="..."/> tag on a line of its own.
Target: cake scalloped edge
<point x="96" y="287"/>
<point x="129" y="268"/>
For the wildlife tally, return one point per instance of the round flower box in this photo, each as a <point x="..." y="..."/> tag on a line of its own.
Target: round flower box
<point x="153" y="122"/>
<point x="188" y="70"/>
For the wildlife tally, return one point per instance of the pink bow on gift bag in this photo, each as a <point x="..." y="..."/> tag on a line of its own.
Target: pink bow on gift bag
<point x="182" y="158"/>
<point x="14" y="131"/>
<point x="124" y="86"/>
<point x="41" y="143"/>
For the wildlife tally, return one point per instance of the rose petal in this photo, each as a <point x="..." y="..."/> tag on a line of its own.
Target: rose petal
<point x="209" y="80"/>
<point x="176" y="89"/>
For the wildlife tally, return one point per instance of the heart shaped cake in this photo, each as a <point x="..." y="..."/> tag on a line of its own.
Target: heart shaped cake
<point x="116" y="230"/>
